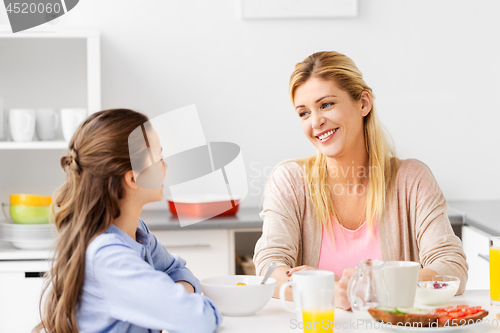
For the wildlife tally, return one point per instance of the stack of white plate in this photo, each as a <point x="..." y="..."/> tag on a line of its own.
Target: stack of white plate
<point x="28" y="236"/>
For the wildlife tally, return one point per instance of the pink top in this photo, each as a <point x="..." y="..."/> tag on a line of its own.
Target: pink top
<point x="351" y="246"/>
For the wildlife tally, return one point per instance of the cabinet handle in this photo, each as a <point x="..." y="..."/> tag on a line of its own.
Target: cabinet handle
<point x="34" y="274"/>
<point x="187" y="246"/>
<point x="484" y="256"/>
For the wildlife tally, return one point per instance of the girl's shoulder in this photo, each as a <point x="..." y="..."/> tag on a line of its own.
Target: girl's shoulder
<point x="103" y="240"/>
<point x="114" y="236"/>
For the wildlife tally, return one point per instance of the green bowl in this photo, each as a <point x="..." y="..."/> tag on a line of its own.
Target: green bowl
<point x="29" y="214"/>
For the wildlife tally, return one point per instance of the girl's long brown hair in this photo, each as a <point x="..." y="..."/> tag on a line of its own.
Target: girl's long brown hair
<point x="98" y="158"/>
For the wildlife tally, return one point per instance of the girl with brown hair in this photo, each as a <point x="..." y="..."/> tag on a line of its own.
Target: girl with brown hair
<point x="109" y="273"/>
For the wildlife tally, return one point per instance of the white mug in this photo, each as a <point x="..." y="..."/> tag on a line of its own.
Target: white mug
<point x="70" y="119"/>
<point x="401" y="281"/>
<point x="47" y="121"/>
<point x="22" y="124"/>
<point x="306" y="281"/>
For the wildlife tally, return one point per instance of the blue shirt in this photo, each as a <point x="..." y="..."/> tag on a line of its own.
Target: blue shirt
<point x="130" y="287"/>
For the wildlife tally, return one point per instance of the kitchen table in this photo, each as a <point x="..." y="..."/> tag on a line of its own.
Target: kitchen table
<point x="274" y="319"/>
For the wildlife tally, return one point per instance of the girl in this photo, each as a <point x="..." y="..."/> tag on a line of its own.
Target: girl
<point x="109" y="272"/>
<point x="354" y="200"/>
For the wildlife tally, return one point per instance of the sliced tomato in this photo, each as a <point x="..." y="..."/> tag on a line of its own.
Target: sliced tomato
<point x="456" y="314"/>
<point x="471" y="311"/>
<point x="443" y="319"/>
<point x="472" y="318"/>
<point x="449" y="308"/>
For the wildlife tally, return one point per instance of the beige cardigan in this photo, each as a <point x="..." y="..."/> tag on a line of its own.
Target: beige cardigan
<point x="415" y="228"/>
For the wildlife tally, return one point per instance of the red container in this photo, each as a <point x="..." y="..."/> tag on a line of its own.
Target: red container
<point x="204" y="208"/>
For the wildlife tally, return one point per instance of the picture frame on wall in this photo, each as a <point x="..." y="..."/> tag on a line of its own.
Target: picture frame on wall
<point x="290" y="9"/>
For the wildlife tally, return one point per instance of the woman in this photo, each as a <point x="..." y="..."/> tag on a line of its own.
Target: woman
<point x="110" y="274"/>
<point x="354" y="200"/>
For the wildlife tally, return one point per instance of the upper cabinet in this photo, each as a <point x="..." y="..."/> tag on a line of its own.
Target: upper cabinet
<point x="54" y="69"/>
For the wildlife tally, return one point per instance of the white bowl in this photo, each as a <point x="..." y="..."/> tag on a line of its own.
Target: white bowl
<point x="436" y="289"/>
<point x="234" y="300"/>
<point x="33" y="245"/>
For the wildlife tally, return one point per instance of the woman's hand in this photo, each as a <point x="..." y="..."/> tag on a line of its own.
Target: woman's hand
<point x="341" y="300"/>
<point x="300" y="268"/>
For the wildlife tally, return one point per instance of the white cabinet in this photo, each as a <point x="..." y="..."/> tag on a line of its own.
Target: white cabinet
<point x="20" y="291"/>
<point x="207" y="252"/>
<point x="476" y="246"/>
<point x="56" y="69"/>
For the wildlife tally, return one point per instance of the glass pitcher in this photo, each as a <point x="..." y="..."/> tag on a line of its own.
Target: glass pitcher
<point x="367" y="289"/>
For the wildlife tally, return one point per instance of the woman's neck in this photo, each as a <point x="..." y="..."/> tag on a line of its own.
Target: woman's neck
<point x="352" y="169"/>
<point x="129" y="217"/>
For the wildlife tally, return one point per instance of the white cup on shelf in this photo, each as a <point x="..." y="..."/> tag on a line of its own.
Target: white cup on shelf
<point x="3" y="121"/>
<point x="22" y="124"/>
<point x="47" y="121"/>
<point x="70" y="119"/>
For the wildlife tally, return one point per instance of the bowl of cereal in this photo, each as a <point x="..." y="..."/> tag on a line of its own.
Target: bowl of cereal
<point x="238" y="295"/>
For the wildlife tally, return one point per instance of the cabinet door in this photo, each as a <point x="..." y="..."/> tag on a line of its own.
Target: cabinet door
<point x="20" y="290"/>
<point x="475" y="243"/>
<point x="207" y="252"/>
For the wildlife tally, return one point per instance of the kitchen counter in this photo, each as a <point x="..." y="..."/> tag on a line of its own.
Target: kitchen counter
<point x="483" y="215"/>
<point x="246" y="218"/>
<point x="9" y="252"/>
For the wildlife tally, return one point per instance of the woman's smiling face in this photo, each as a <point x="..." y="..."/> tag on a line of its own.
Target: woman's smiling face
<point x="331" y="120"/>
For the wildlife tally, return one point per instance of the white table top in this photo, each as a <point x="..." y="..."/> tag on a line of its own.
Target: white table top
<point x="274" y="319"/>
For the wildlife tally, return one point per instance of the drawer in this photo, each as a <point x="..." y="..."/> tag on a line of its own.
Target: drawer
<point x="207" y="252"/>
<point x="20" y="291"/>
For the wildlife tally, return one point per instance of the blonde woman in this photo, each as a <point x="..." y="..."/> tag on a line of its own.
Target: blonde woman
<point x="354" y="200"/>
<point x="110" y="274"/>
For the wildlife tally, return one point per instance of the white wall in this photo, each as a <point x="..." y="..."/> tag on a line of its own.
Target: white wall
<point x="434" y="66"/>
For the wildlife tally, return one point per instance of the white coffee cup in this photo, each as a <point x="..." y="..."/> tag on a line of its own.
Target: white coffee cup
<point x="70" y="119"/>
<point x="47" y="121"/>
<point x="401" y="281"/>
<point x="22" y="124"/>
<point x="306" y="281"/>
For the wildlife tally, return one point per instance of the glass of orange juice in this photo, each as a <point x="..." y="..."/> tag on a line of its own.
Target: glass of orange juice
<point x="318" y="311"/>
<point x="495" y="271"/>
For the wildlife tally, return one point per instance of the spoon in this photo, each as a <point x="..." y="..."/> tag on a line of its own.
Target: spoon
<point x="270" y="270"/>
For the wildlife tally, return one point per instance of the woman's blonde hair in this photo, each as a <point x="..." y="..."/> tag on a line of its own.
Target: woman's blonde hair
<point x="98" y="158"/>
<point x="382" y="158"/>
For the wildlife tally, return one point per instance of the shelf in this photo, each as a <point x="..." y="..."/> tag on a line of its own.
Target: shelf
<point x="49" y="35"/>
<point x="9" y="252"/>
<point x="48" y="31"/>
<point x="34" y="145"/>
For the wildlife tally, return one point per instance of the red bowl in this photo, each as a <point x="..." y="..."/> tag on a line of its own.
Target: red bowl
<point x="204" y="209"/>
